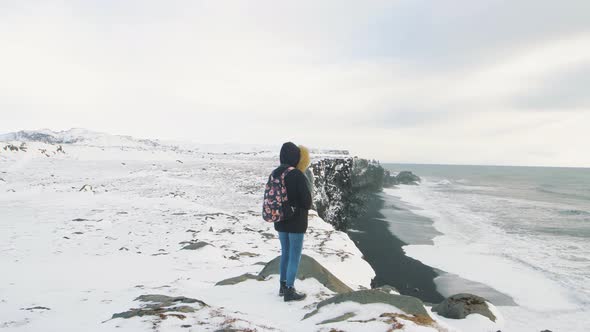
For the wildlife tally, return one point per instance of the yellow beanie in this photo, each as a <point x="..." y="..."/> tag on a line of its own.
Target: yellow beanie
<point x="304" y="160"/>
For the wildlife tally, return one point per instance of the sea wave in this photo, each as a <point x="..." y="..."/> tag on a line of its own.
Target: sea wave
<point x="551" y="190"/>
<point x="495" y="230"/>
<point x="574" y="212"/>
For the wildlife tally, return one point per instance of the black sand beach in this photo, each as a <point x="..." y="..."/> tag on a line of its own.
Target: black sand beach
<point x="383" y="251"/>
<point x="372" y="234"/>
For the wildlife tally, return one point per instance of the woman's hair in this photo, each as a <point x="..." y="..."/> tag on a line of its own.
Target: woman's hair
<point x="304" y="160"/>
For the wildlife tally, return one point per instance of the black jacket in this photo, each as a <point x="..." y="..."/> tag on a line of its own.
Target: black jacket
<point x="299" y="197"/>
<point x="297" y="191"/>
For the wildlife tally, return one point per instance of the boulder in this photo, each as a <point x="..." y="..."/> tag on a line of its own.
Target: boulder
<point x="407" y="177"/>
<point x="389" y="180"/>
<point x="309" y="268"/>
<point x="388" y="289"/>
<point x="460" y="306"/>
<point x="409" y="305"/>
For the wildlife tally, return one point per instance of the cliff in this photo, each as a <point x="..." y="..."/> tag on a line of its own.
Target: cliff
<point x="341" y="186"/>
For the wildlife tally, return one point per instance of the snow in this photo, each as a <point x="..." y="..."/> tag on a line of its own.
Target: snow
<point x="70" y="259"/>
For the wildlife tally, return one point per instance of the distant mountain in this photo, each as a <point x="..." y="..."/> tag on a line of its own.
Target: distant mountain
<point x="84" y="137"/>
<point x="75" y="136"/>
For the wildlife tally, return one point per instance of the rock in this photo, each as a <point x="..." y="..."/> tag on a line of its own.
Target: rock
<point x="340" y="318"/>
<point x="79" y="219"/>
<point x="389" y="180"/>
<point x="407" y="304"/>
<point x="86" y="187"/>
<point x="407" y="177"/>
<point x="387" y="289"/>
<point x="309" y="268"/>
<point x="392" y="318"/>
<point x="35" y="308"/>
<point x="341" y="187"/>
<point x="248" y="254"/>
<point x="460" y="306"/>
<point x="11" y="147"/>
<point x="239" y="279"/>
<point x="195" y="245"/>
<point x="159" y="305"/>
<point x="332" y="190"/>
<point x="168" y="300"/>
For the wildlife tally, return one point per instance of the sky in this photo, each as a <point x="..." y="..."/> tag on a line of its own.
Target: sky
<point x="412" y="81"/>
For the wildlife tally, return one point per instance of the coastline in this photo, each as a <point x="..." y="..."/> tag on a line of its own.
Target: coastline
<point x="386" y="226"/>
<point x="383" y="251"/>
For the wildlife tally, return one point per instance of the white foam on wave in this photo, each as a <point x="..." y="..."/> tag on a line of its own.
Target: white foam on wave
<point x="474" y="247"/>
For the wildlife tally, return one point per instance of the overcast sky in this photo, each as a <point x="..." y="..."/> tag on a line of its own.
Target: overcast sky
<point x="469" y="82"/>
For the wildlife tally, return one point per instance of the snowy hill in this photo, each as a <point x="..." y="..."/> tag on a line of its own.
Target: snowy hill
<point x="76" y="136"/>
<point x="116" y="233"/>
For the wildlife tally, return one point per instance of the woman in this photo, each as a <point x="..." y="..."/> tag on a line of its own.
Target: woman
<point x="292" y="230"/>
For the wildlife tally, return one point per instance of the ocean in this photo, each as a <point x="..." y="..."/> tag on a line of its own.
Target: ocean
<point x="524" y="231"/>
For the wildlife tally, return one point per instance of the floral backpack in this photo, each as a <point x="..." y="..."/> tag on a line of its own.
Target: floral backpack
<point x="276" y="207"/>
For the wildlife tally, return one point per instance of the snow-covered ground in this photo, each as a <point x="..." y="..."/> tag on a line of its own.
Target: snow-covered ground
<point x="85" y="232"/>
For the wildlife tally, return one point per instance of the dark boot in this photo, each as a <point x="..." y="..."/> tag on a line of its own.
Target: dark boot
<point x="292" y="295"/>
<point x="282" y="288"/>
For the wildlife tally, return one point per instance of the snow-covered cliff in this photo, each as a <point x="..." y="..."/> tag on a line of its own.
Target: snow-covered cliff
<point x="341" y="185"/>
<point x="116" y="236"/>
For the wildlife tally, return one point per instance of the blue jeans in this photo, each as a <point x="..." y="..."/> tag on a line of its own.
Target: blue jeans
<point x="291" y="246"/>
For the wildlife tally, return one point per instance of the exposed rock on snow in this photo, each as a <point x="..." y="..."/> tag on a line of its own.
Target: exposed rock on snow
<point x="461" y="305"/>
<point x="12" y="147"/>
<point x="340" y="318"/>
<point x="195" y="245"/>
<point x="309" y="268"/>
<point x="238" y="279"/>
<point x="162" y="306"/>
<point x="410" y="305"/>
<point x="86" y="187"/>
<point x="36" y="308"/>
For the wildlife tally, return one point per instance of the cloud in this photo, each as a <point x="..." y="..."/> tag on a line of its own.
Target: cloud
<point x="395" y="80"/>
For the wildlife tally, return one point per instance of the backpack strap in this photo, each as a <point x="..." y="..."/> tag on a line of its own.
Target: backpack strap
<point x="289" y="169"/>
